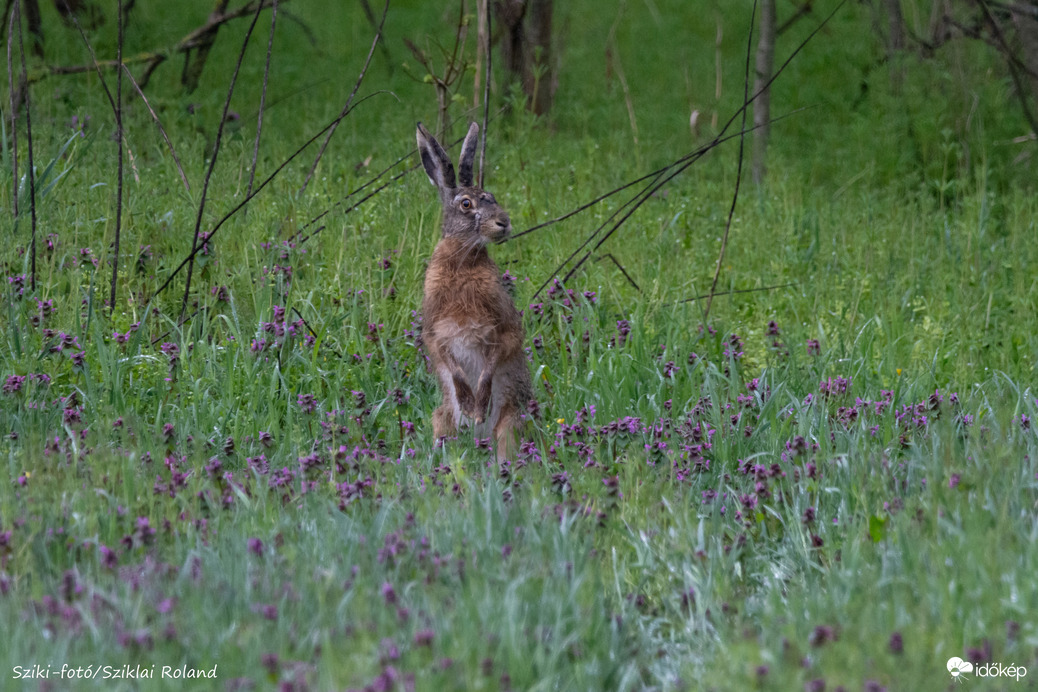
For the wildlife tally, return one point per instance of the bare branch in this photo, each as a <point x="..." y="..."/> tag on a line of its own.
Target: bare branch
<point x="684" y="162"/>
<point x="731" y="293"/>
<point x="119" y="148"/>
<point x="247" y="199"/>
<point x="212" y="161"/>
<point x="263" y="97"/>
<point x="765" y="63"/>
<point x="738" y="174"/>
<point x="28" y="143"/>
<point x="116" y="105"/>
<point x="659" y="180"/>
<point x="152" y="59"/>
<point x="13" y="113"/>
<point x="619" y="266"/>
<point x="802" y="11"/>
<point x="349" y="100"/>
<point x="382" y="40"/>
<point x="1015" y="66"/>
<point x="367" y="184"/>
<point x="158" y="124"/>
<point x="314" y="334"/>
<point x="192" y="71"/>
<point x="485" y="30"/>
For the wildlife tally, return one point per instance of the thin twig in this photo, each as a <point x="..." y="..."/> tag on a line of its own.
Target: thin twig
<point x="651" y="189"/>
<point x="119" y="148"/>
<point x="212" y="160"/>
<point x="730" y="293"/>
<point x="1014" y="64"/>
<point x="263" y="97"/>
<point x="192" y="70"/>
<point x="367" y="184"/>
<point x="802" y="11"/>
<point x="595" y="201"/>
<point x="370" y="182"/>
<point x="116" y="104"/>
<point x="684" y="162"/>
<point x="271" y="177"/>
<point x="619" y="266"/>
<point x="642" y="194"/>
<point x="28" y="144"/>
<point x="1031" y="10"/>
<point x="999" y="42"/>
<point x="738" y="173"/>
<point x="362" y="200"/>
<point x="93" y="60"/>
<point x="13" y="114"/>
<point x="249" y="198"/>
<point x="382" y="41"/>
<point x="8" y="7"/>
<point x="349" y="100"/>
<point x="485" y="4"/>
<point x="314" y="334"/>
<point x="158" y="124"/>
<point x="153" y="59"/>
<point x="291" y="95"/>
<point x="640" y="197"/>
<point x="162" y="337"/>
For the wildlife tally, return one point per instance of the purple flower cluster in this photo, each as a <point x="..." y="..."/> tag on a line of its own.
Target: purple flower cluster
<point x="280" y="333"/>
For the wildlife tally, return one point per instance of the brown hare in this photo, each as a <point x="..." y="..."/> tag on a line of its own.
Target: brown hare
<point x="471" y="328"/>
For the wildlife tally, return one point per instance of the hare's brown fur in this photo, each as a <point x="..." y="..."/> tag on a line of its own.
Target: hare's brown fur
<point x="471" y="328"/>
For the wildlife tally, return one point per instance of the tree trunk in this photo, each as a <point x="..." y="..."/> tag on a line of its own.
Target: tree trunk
<point x="193" y="64"/>
<point x="542" y="88"/>
<point x="32" y="18"/>
<point x="1027" y="32"/>
<point x="895" y="44"/>
<point x="526" y="49"/>
<point x="765" y="64"/>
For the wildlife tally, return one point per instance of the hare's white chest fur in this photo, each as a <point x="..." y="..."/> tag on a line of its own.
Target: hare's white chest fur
<point x="468" y="341"/>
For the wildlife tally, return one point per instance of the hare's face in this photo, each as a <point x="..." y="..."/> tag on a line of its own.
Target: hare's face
<point x="474" y="213"/>
<point x="469" y="213"/>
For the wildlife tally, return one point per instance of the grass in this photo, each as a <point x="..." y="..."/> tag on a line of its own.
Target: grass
<point x="832" y="483"/>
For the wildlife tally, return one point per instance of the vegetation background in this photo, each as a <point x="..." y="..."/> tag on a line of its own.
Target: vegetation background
<point x="829" y="481"/>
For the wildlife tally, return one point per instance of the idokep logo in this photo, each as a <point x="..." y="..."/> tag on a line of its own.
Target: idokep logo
<point x="959" y="668"/>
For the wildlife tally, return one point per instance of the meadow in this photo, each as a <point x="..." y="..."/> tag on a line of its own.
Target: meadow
<point x="829" y="483"/>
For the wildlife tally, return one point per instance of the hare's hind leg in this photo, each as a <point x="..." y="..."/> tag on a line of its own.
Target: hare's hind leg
<point x="505" y="431"/>
<point x="511" y="393"/>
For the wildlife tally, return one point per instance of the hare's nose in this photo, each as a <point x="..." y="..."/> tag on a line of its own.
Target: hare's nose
<point x="503" y="224"/>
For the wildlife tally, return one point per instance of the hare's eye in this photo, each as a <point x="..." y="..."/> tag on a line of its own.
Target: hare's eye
<point x="466" y="204"/>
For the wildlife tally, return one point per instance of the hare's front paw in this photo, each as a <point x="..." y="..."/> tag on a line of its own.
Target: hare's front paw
<point x="473" y="410"/>
<point x="466" y="401"/>
<point x="482" y="399"/>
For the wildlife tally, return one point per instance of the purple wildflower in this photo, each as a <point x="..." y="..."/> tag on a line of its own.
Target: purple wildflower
<point x="13" y="384"/>
<point x="307" y="402"/>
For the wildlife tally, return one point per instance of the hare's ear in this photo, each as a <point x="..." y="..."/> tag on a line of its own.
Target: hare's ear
<point x="468" y="155"/>
<point x="438" y="167"/>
